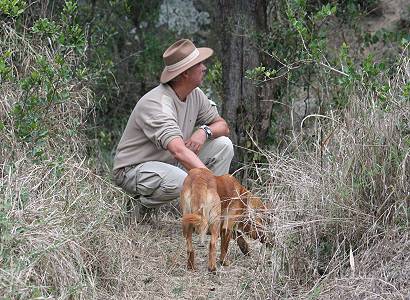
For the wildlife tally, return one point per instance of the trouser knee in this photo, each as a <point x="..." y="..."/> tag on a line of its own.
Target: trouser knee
<point x="217" y="155"/>
<point x="225" y="146"/>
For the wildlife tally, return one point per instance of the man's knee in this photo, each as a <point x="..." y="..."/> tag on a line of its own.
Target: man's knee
<point x="217" y="155"/>
<point x="225" y="145"/>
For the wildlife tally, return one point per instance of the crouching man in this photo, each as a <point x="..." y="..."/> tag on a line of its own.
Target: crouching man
<point x="172" y="129"/>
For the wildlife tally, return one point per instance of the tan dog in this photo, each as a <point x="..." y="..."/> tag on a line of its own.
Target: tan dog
<point x="242" y="213"/>
<point x="201" y="208"/>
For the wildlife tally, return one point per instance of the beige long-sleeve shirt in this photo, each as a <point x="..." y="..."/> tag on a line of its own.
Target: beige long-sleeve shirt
<point x="158" y="117"/>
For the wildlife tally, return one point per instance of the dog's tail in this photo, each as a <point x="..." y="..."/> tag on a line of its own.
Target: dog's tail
<point x="194" y="219"/>
<point x="198" y="220"/>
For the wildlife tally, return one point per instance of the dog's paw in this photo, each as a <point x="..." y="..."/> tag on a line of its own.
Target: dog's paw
<point x="225" y="262"/>
<point x="212" y="270"/>
<point x="190" y="266"/>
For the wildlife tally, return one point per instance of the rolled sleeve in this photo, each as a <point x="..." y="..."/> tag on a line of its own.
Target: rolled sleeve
<point x="161" y="132"/>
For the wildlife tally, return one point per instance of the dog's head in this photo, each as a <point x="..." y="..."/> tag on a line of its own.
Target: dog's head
<point x="256" y="219"/>
<point x="255" y="214"/>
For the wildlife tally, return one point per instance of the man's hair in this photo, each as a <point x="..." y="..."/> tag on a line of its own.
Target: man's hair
<point x="175" y="80"/>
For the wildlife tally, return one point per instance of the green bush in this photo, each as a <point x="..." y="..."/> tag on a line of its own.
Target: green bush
<point x="12" y="8"/>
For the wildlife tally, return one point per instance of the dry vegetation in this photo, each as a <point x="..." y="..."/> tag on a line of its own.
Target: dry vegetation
<point x="58" y="220"/>
<point x="340" y="211"/>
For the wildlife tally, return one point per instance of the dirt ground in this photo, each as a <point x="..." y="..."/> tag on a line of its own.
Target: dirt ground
<point x="157" y="266"/>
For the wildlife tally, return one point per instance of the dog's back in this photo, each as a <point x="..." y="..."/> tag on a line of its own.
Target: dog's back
<point x="201" y="209"/>
<point x="233" y="195"/>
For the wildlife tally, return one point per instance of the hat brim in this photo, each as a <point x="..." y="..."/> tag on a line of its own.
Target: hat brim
<point x="204" y="53"/>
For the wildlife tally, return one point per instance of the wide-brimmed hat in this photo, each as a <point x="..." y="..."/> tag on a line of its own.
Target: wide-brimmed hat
<point x="180" y="56"/>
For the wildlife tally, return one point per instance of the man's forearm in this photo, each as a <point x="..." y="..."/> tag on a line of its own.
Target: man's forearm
<point x="219" y="128"/>
<point x="183" y="155"/>
<point x="189" y="160"/>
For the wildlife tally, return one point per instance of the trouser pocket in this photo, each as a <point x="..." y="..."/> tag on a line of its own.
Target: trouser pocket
<point x="126" y="179"/>
<point x="118" y="176"/>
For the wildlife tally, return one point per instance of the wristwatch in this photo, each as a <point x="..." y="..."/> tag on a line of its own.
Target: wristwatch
<point x="207" y="130"/>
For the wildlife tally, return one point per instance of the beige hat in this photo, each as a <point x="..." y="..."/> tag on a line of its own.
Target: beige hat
<point x="180" y="56"/>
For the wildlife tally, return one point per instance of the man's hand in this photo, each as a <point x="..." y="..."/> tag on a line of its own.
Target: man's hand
<point x="195" y="142"/>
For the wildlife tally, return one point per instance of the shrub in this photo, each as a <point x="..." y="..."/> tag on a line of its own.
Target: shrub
<point x="58" y="219"/>
<point x="335" y="205"/>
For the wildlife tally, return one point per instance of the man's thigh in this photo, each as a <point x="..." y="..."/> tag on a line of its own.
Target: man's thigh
<point x="158" y="183"/>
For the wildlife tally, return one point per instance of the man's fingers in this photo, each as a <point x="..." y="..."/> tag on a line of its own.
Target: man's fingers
<point x="194" y="147"/>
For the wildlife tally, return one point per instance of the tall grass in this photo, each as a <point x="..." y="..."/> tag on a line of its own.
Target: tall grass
<point x="58" y="220"/>
<point x="340" y="209"/>
<point x="339" y="204"/>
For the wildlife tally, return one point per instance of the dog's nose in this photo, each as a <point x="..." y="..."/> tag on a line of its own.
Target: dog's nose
<point x="269" y="244"/>
<point x="265" y="240"/>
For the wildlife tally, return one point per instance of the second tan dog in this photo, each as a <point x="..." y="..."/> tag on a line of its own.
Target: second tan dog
<point x="242" y="212"/>
<point x="201" y="209"/>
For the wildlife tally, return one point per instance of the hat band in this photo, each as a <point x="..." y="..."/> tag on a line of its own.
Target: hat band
<point x="183" y="62"/>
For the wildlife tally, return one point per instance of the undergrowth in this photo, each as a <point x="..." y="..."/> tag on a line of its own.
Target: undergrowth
<point x="339" y="199"/>
<point x="59" y="221"/>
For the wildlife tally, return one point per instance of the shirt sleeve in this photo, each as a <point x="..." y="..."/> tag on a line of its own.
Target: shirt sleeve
<point x="207" y="109"/>
<point x="158" y="121"/>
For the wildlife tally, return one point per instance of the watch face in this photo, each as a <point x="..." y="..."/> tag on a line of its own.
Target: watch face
<point x="207" y="130"/>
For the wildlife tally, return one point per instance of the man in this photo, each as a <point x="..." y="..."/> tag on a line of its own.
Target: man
<point x="172" y="129"/>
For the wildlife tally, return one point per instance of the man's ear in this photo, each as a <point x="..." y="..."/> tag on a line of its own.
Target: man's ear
<point x="185" y="74"/>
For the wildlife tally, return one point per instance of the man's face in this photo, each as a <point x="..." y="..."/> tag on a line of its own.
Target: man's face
<point x="197" y="73"/>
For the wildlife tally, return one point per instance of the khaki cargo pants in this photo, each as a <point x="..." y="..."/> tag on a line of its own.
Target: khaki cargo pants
<point x="156" y="183"/>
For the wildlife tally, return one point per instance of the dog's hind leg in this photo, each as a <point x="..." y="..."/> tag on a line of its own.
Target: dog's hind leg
<point x="214" y="229"/>
<point x="187" y="230"/>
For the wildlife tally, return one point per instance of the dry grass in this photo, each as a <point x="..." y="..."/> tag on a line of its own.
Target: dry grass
<point x="340" y="212"/>
<point x="58" y="220"/>
<point x="340" y="209"/>
<point x="157" y="267"/>
<point x="55" y="230"/>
